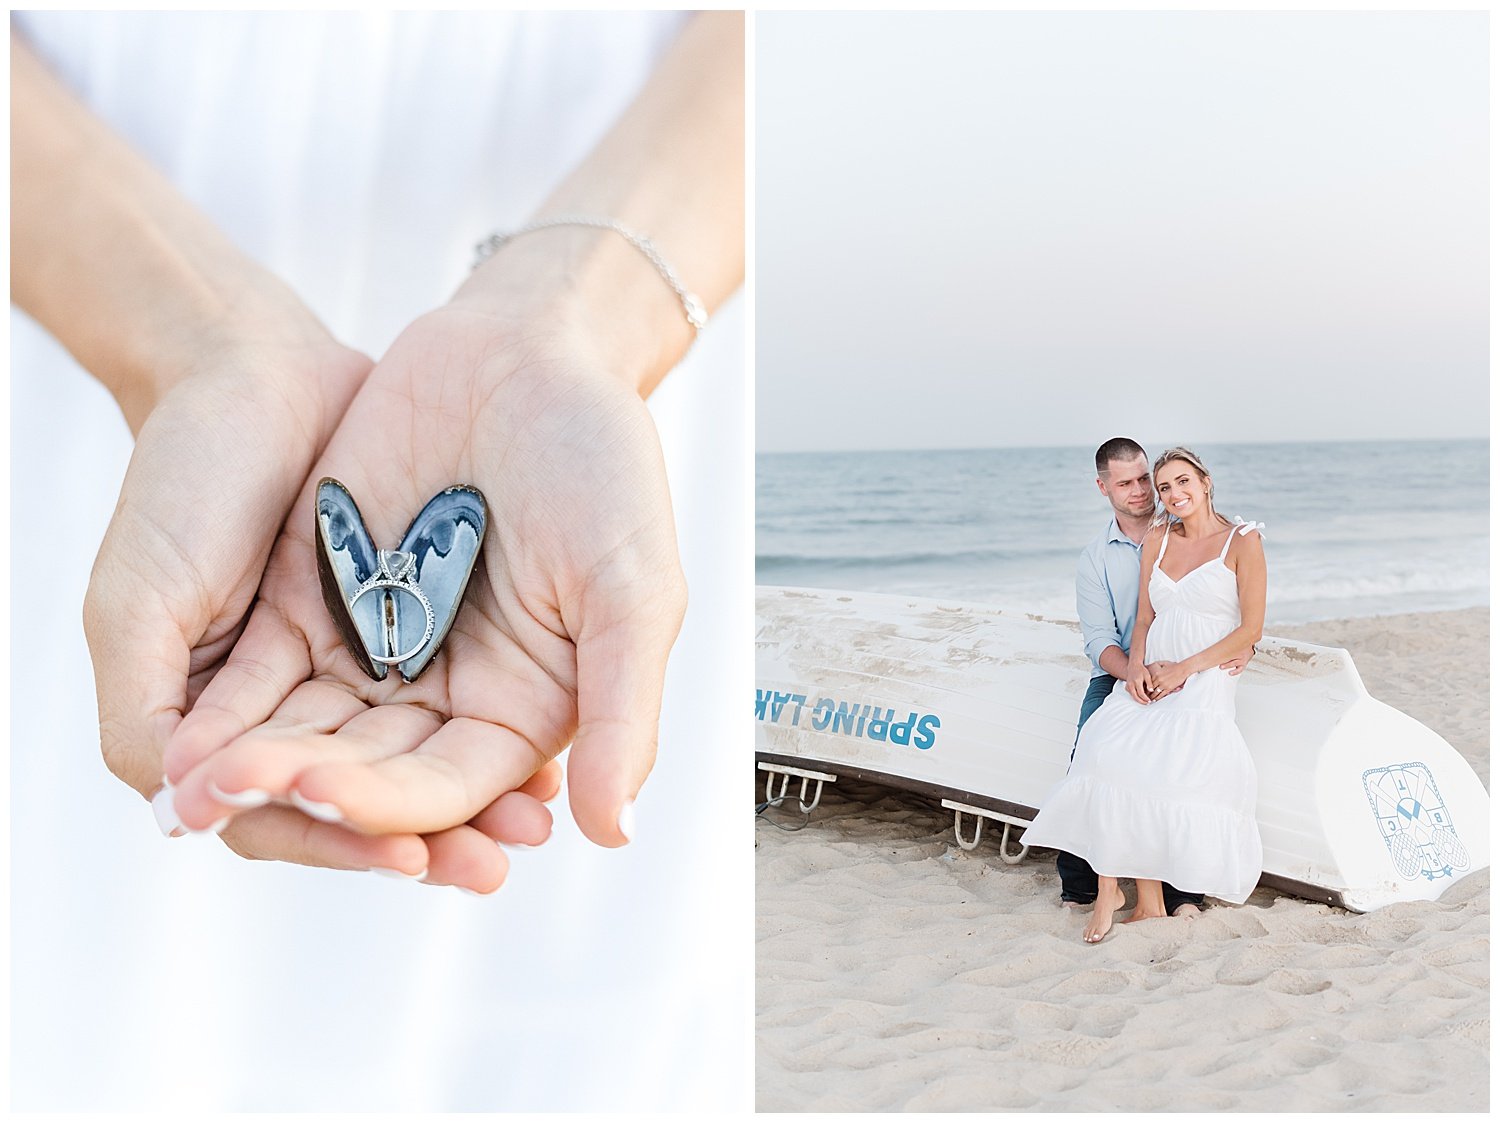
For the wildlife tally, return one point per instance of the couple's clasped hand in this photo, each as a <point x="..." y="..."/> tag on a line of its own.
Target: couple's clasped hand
<point x="225" y="691"/>
<point x="1152" y="682"/>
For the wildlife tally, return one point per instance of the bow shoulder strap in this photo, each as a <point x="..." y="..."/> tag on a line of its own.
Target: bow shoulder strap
<point x="1241" y="527"/>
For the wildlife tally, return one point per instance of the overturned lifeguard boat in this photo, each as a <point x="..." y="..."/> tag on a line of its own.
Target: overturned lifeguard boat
<point x="1359" y="804"/>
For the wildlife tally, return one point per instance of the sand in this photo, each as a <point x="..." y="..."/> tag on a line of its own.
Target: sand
<point x="898" y="972"/>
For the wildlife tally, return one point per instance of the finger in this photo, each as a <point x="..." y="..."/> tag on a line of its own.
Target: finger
<point x="282" y="834"/>
<point x="515" y="819"/>
<point x="320" y="723"/>
<point x="466" y="858"/>
<point x="265" y="666"/>
<point x="545" y="783"/>
<point x="620" y="677"/>
<point x="447" y="779"/>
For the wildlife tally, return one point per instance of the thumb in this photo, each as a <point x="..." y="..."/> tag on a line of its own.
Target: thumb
<point x="141" y="661"/>
<point x="621" y="671"/>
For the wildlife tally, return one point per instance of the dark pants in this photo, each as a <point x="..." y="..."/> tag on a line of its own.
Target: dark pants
<point x="1079" y="881"/>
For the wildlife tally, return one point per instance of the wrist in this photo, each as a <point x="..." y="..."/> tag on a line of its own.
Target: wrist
<point x="253" y="328"/>
<point x="591" y="287"/>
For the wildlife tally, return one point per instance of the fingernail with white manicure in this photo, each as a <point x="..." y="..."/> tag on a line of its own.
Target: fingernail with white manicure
<point x="627" y="820"/>
<point x="324" y="812"/>
<point x="470" y="892"/>
<point x="518" y="845"/>
<point x="250" y="797"/>
<point x="384" y="872"/>
<point x="166" y="814"/>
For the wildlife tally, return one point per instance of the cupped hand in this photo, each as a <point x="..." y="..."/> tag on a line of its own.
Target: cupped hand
<point x="571" y="612"/>
<point x="217" y="464"/>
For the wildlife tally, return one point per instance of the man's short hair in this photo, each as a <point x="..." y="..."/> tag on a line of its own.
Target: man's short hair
<point x="1116" y="448"/>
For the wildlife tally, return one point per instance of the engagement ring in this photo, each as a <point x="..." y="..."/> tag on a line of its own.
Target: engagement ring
<point x="397" y="573"/>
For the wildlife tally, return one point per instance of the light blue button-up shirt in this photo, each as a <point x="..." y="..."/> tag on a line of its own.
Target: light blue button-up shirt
<point x="1109" y="586"/>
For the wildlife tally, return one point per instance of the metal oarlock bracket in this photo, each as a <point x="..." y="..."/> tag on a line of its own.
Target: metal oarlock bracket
<point x="980" y="815"/>
<point x="786" y="773"/>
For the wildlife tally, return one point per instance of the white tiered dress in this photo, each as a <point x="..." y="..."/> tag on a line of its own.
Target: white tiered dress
<point x="1167" y="790"/>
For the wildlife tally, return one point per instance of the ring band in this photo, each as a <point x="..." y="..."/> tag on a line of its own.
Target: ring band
<point x="395" y="573"/>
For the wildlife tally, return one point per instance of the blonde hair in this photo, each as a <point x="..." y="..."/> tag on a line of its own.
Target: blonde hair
<point x="1191" y="459"/>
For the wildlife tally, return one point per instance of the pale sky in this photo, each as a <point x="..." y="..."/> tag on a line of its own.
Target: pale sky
<point x="1012" y="228"/>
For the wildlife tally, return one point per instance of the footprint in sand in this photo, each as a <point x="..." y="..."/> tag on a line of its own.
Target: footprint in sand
<point x="1221" y="1067"/>
<point x="1164" y="950"/>
<point x="1070" y="1049"/>
<point x="1284" y="981"/>
<point x="1030" y="1017"/>
<point x="1344" y="957"/>
<point x="1395" y="923"/>
<point x="1260" y="1011"/>
<point x="1107" y="1020"/>
<point x="1468" y="952"/>
<point x="1295" y="1057"/>
<point x="1090" y="982"/>
<point x="1031" y="967"/>
<point x="1475" y="1031"/>
<point x="1252" y="965"/>
<point x="1240" y="922"/>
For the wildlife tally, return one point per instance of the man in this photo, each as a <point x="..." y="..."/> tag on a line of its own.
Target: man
<point x="1108" y="586"/>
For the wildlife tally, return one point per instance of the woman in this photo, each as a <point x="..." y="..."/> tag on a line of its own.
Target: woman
<point x="1162" y="786"/>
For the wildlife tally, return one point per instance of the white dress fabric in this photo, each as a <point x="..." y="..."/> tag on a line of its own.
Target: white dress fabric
<point x="360" y="157"/>
<point x="1167" y="790"/>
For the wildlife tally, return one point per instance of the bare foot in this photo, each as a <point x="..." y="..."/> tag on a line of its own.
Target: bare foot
<point x="1146" y="912"/>
<point x="1188" y="910"/>
<point x="1148" y="901"/>
<point x="1103" y="916"/>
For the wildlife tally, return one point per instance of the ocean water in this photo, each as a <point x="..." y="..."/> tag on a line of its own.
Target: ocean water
<point x="1352" y="529"/>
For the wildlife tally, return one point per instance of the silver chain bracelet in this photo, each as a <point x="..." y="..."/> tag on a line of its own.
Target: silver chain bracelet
<point x="692" y="307"/>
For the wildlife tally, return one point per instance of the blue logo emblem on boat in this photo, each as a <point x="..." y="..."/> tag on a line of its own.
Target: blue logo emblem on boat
<point x="1414" y="822"/>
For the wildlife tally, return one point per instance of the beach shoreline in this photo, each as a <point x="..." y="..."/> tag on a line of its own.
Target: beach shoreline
<point x="896" y="971"/>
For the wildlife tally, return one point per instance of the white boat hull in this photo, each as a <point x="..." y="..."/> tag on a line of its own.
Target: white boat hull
<point x="1359" y="805"/>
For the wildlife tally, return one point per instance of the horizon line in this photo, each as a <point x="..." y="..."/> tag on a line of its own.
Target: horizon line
<point x="1208" y="444"/>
